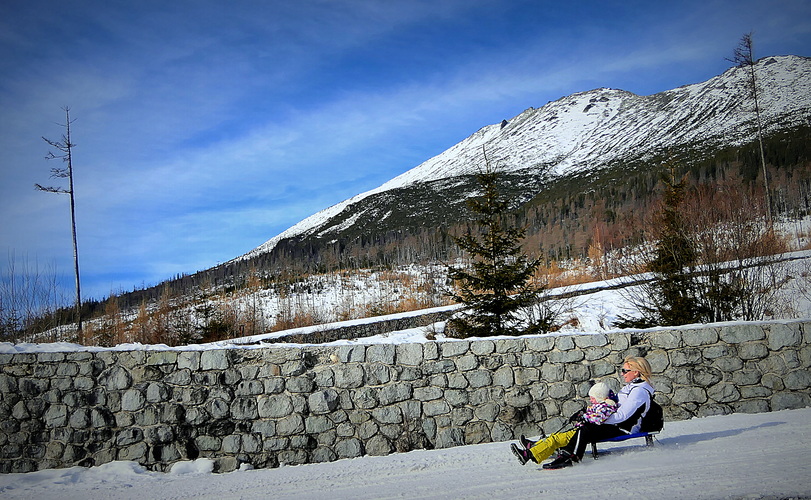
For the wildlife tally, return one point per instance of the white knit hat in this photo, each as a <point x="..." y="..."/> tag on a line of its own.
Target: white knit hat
<point x="599" y="391"/>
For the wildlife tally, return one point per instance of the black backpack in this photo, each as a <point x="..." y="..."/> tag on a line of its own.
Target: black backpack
<point x="654" y="420"/>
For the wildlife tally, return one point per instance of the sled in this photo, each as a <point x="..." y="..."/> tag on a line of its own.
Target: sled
<point x="647" y="435"/>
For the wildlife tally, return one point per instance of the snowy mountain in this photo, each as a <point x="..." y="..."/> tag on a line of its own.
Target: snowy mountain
<point x="579" y="133"/>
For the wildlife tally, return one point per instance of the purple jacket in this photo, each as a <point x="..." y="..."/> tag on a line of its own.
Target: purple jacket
<point x="598" y="412"/>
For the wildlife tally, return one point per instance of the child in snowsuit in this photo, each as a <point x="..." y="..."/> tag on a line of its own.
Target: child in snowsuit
<point x="602" y="406"/>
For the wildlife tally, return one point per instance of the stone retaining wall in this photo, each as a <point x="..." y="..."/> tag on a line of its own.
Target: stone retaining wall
<point x="279" y="405"/>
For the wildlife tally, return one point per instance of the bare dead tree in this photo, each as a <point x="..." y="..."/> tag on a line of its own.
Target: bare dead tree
<point x="744" y="57"/>
<point x="65" y="147"/>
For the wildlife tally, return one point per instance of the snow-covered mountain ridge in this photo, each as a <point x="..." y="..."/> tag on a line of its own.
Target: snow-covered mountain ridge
<point x="589" y="130"/>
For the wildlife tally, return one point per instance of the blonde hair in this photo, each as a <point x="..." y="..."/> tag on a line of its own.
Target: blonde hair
<point x="641" y="365"/>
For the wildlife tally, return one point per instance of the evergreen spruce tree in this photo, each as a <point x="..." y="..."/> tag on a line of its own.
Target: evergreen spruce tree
<point x="676" y="290"/>
<point x="499" y="282"/>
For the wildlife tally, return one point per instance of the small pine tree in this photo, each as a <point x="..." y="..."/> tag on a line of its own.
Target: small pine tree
<point x="499" y="283"/>
<point x="674" y="257"/>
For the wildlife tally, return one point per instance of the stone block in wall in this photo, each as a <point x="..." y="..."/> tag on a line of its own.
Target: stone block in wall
<point x="682" y="395"/>
<point x="352" y="354"/>
<point x="739" y="333"/>
<point x="323" y="402"/>
<point x="466" y="362"/>
<point x="290" y="425"/>
<point x="304" y="385"/>
<point x="378" y="446"/>
<point x="381" y="353"/>
<point x="772" y="381"/>
<point x="593" y="340"/>
<point x="487" y="411"/>
<point x="553" y="372"/>
<point x="274" y="406"/>
<point x="349" y="448"/>
<point x="448" y="437"/>
<point x="503" y="377"/>
<point x="706" y="376"/>
<point x="659" y="360"/>
<point x="56" y="416"/>
<point x="510" y="345"/>
<point x="686" y="357"/>
<point x="244" y="408"/>
<point x="388" y="415"/>
<point x="412" y="373"/>
<point x="437" y="407"/>
<point x="564" y="343"/>
<point x="746" y="376"/>
<point x="476" y="432"/>
<point x="565" y="357"/>
<point x="752" y="350"/>
<point x="348" y="376"/>
<point x="218" y="408"/>
<point x="461" y="416"/>
<point x="395" y="393"/>
<point x="751" y="406"/>
<point x="161" y="358"/>
<point x="454" y="348"/>
<point x="711" y="409"/>
<point x="430" y="351"/>
<point x="755" y="392"/>
<point x="602" y="368"/>
<point x="528" y="359"/>
<point x="596" y="353"/>
<point x="409" y="354"/>
<point x="798" y="380"/>
<point x="428" y="393"/>
<point x="727" y="364"/>
<point x="518" y="398"/>
<point x="577" y="372"/>
<point x="723" y="393"/>
<point x="718" y="351"/>
<point x="700" y="336"/>
<point x="180" y="377"/>
<point x="561" y="390"/>
<point x="789" y="401"/>
<point x="782" y="335"/>
<point x="479" y="378"/>
<point x="772" y="364"/>
<point x="664" y="339"/>
<point x="440" y="366"/>
<point x="456" y="398"/>
<point x="115" y="378"/>
<point x="483" y="347"/>
<point x="526" y="376"/>
<point x="45" y="370"/>
<point x="791" y="358"/>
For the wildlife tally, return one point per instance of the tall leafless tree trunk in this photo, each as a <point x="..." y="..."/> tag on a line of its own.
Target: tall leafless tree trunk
<point x="744" y="57"/>
<point x="65" y="149"/>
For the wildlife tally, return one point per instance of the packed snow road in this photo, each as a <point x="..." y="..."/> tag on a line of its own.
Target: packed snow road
<point x="765" y="455"/>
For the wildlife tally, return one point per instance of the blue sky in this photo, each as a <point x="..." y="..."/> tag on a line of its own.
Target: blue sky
<point x="204" y="128"/>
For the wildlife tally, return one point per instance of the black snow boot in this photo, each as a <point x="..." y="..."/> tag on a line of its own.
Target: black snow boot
<point x="523" y="454"/>
<point x="565" y="459"/>
<point x="526" y="442"/>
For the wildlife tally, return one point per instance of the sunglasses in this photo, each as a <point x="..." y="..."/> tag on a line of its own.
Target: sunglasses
<point x="624" y="371"/>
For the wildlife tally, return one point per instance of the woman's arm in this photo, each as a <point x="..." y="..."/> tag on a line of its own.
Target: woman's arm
<point x="636" y="398"/>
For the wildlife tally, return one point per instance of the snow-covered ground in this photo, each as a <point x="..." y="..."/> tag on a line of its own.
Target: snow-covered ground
<point x="758" y="456"/>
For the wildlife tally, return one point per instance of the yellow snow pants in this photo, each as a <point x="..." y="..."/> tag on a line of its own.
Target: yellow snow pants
<point x="544" y="448"/>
